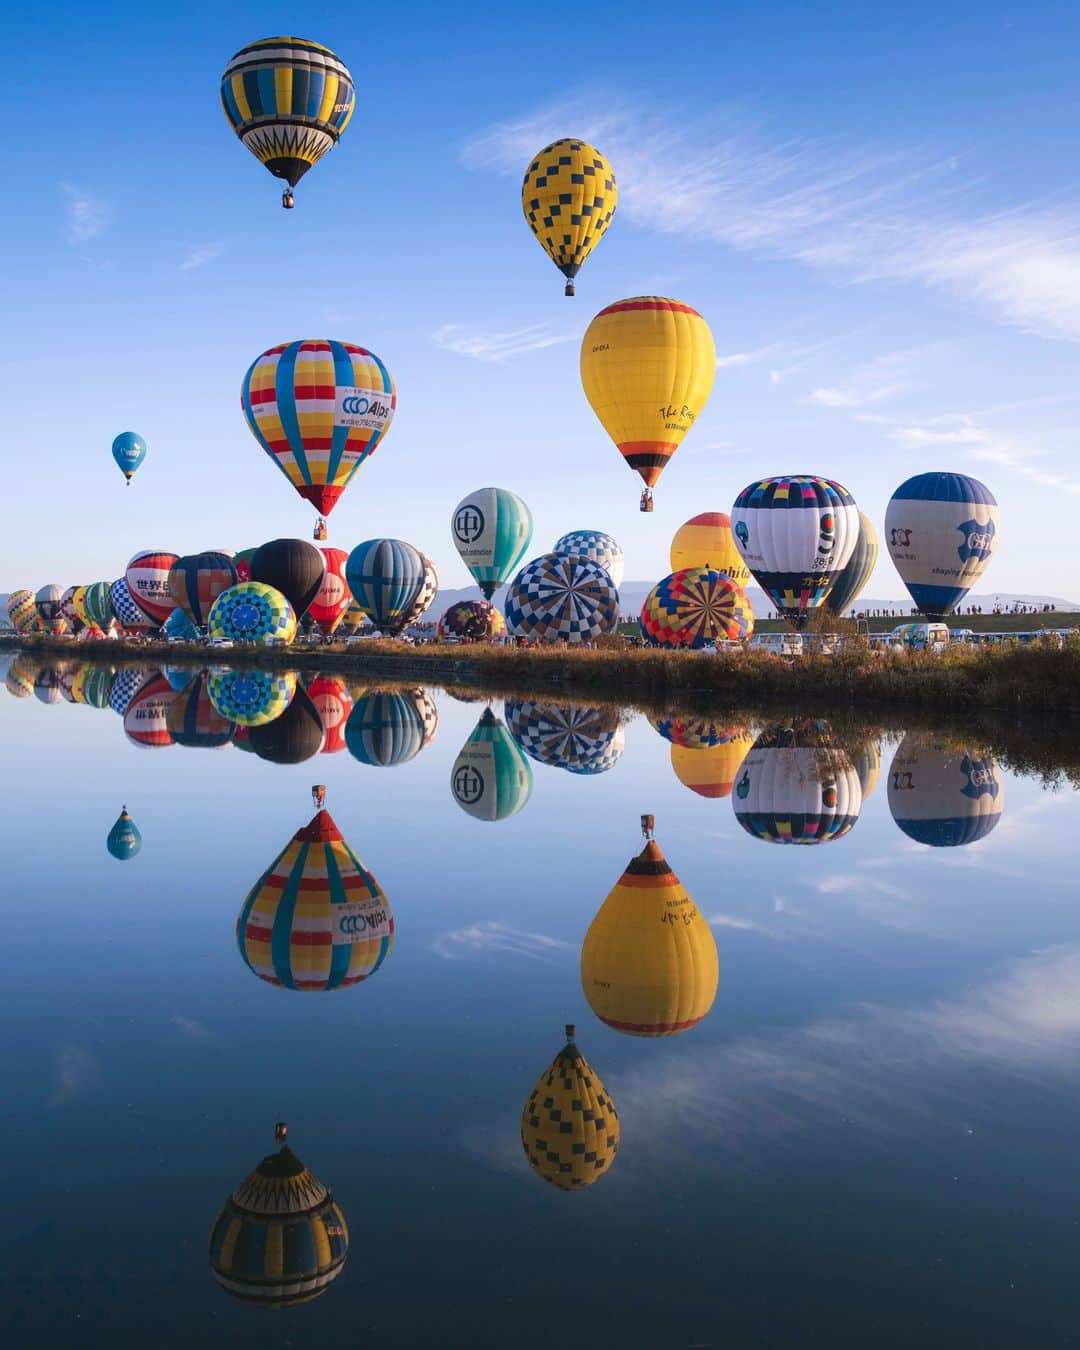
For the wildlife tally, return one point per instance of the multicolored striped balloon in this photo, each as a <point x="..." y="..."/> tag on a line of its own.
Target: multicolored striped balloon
<point x="316" y="919"/>
<point x="318" y="408"/>
<point x="22" y="611"/>
<point x="473" y="620"/>
<point x="693" y="607"/>
<point x="147" y="577"/>
<point x="797" y="786"/>
<point x="98" y="604"/>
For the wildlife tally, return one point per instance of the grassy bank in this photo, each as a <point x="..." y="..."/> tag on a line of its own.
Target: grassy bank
<point x="1031" y="680"/>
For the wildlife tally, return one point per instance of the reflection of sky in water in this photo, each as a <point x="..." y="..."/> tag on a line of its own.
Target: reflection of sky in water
<point x="872" y="1133"/>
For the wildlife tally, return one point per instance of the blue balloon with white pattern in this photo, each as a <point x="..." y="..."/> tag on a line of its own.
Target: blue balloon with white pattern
<point x="386" y="577"/>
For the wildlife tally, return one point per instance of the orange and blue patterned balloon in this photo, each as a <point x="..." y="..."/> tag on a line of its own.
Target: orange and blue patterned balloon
<point x="316" y="919"/>
<point x="318" y="408"/>
<point x="197" y="579"/>
<point x="696" y="606"/>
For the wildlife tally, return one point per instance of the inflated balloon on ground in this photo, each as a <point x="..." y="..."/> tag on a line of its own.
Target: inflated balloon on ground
<point x="706" y="541"/>
<point x="597" y="547"/>
<point x="197" y="579"/>
<point x="472" y="620"/>
<point x="251" y="611"/>
<point x="695" y="607"/>
<point x="292" y="566"/>
<point x="556" y="598"/>
<point x="941" y="530"/>
<point x="386" y="576"/>
<point x="851" y="582"/>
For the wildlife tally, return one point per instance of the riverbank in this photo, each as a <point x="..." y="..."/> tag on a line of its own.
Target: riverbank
<point x="1034" y="680"/>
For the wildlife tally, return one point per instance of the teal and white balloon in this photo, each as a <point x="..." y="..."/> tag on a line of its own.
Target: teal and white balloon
<point x="492" y="528"/>
<point x="941" y="530"/>
<point x="491" y="778"/>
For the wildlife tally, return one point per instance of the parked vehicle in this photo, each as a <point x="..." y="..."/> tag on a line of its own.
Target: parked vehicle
<point x="783" y="644"/>
<point x="931" y="637"/>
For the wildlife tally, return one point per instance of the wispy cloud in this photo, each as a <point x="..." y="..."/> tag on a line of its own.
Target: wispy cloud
<point x="853" y="397"/>
<point x="985" y="444"/>
<point x="731" y="360"/>
<point x="491" y="935"/>
<point x="76" y="1073"/>
<point x="495" y="346"/>
<point x="199" y="257"/>
<point x="87" y="216"/>
<point x="190" y="1027"/>
<point x="865" y="212"/>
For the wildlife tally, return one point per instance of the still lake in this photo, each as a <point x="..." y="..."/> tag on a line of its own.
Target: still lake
<point x="870" y="1136"/>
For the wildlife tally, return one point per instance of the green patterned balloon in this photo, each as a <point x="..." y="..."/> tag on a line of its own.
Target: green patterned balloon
<point x="251" y="698"/>
<point x="251" y="611"/>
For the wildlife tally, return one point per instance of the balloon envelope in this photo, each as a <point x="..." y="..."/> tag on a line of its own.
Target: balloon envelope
<point x="796" y="534"/>
<point x="333" y="598"/>
<point x="570" y="1127"/>
<point x="124" y="839"/>
<point x="695" y="607"/>
<point x="556" y="598"/>
<point x="128" y="614"/>
<point x="292" y="566"/>
<point x="942" y="795"/>
<point x="386" y="576"/>
<point x="851" y="582"/>
<point x="706" y="541"/>
<point x="251" y="611"/>
<point x="492" y="528"/>
<point x="147" y="578"/>
<point x="490" y="779"/>
<point x="129" y="451"/>
<point x="569" y="196"/>
<point x="474" y="620"/>
<point x="941" y="530"/>
<point x="597" y="547"/>
<point x="197" y="579"/>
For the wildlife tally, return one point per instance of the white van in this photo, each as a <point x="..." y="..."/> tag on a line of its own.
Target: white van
<point x="783" y="644"/>
<point x="929" y="637"/>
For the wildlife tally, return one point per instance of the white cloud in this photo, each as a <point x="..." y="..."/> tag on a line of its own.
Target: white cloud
<point x="76" y="1073"/>
<point x="489" y="346"/>
<point x="491" y="935"/>
<point x="867" y="213"/>
<point x="199" y="257"/>
<point x="87" y="216"/>
<point x="733" y="359"/>
<point x="190" y="1027"/>
<point x="852" y="397"/>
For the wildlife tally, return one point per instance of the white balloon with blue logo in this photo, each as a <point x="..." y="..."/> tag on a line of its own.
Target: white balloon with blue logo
<point x="942" y="795"/>
<point x="941" y="530"/>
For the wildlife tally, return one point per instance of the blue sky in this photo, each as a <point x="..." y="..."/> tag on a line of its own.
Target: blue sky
<point x="877" y="212"/>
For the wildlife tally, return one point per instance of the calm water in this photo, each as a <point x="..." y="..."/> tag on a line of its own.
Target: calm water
<point x="870" y="1136"/>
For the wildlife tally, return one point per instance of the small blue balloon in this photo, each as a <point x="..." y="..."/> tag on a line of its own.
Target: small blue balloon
<point x="124" y="839"/>
<point x="129" y="451"/>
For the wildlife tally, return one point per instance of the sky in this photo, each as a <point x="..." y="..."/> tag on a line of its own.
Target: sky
<point x="877" y="211"/>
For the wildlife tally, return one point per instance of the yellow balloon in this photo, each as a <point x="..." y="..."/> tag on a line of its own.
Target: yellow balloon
<point x="647" y="367"/>
<point x="649" y="965"/>
<point x="569" y="196"/>
<point x="710" y="772"/>
<point x="569" y="1127"/>
<point x="707" y="541"/>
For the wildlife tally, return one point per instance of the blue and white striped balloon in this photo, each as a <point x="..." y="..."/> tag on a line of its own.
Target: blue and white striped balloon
<point x="386" y="577"/>
<point x="597" y="547"/>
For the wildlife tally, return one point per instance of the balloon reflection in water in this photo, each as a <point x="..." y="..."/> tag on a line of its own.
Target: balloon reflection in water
<point x="942" y="795"/>
<point x="711" y="771"/>
<point x="316" y="919"/>
<point x="649" y="965"/>
<point x="692" y="732"/>
<point x="293" y="737"/>
<point x="125" y="685"/>
<point x="146" y="721"/>
<point x="868" y="766"/>
<point x="251" y="697"/>
<point x="124" y="839"/>
<point x="581" y="739"/>
<point x="570" y="1127"/>
<point x="194" y="721"/>
<point x="280" y="1238"/>
<point x="388" y="727"/>
<point x="491" y="778"/>
<point x="796" y="786"/>
<point x="333" y="702"/>
<point x="19" y="681"/>
<point x="47" y="685"/>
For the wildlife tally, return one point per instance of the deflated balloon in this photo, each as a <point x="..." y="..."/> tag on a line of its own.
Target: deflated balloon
<point x="647" y="367"/>
<point x="318" y="408"/>
<point x="796" y="534"/>
<point x="490" y="779"/>
<point x="941" y="530"/>
<point x="569" y="197"/>
<point x="492" y="528"/>
<point x="570" y="1127"/>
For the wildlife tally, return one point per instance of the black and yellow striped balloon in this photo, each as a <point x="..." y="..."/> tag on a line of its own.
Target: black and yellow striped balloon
<point x="569" y="197"/>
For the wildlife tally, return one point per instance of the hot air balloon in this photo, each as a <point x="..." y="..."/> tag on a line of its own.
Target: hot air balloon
<point x="576" y="737"/>
<point x="22" y="611"/>
<point x="569" y="1127"/>
<point x="197" y="579"/>
<point x="694" y="733"/>
<point x="96" y="686"/>
<point x="47" y="685"/>
<point x="796" y="786"/>
<point x="124" y="839"/>
<point x="146" y="718"/>
<point x="179" y="627"/>
<point x="48" y="601"/>
<point x="868" y="766"/>
<point x="129" y="451"/>
<point x="293" y="567"/>
<point x="491" y="778"/>
<point x="648" y="963"/>
<point x="711" y="771"/>
<point x="569" y="196"/>
<point x="707" y="541"/>
<point x="98" y="605"/>
<point x="125" y="685"/>
<point x="796" y="534"/>
<point x="425" y="597"/>
<point x="472" y="620"/>
<point x="316" y="919"/>
<point x="851" y="582"/>
<point x="556" y="598"/>
<point x="147" y="578"/>
<point x="492" y="528"/>
<point x="129" y="616"/>
<point x="597" y="547"/>
<point x="330" y="696"/>
<point x="334" y="597"/>
<point x="251" y="697"/>
<point x="288" y="100"/>
<point x="242" y="563"/>
<point x="77" y="603"/>
<point x="194" y="721"/>
<point x="280" y="1238"/>
<point x="353" y="620"/>
<point x="19" y="680"/>
<point x="385" y="728"/>
<point x="647" y="367"/>
<point x="318" y="408"/>
<point x="942" y="795"/>
<point x="941" y="530"/>
<point x="695" y="607"/>
<point x="386" y="576"/>
<point x="251" y="611"/>
<point x="293" y="737"/>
